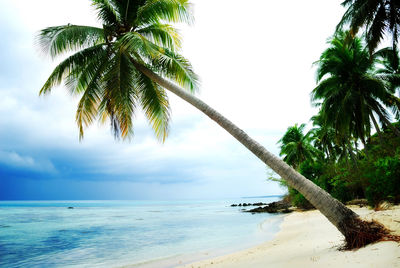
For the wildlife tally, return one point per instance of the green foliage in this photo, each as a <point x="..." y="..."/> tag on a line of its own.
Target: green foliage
<point x="384" y="180"/>
<point x="103" y="69"/>
<point x="297" y="147"/>
<point x="298" y="200"/>
<point x="342" y="185"/>
<point x="349" y="92"/>
<point x="356" y="88"/>
<point x="378" y="17"/>
<point x="377" y="178"/>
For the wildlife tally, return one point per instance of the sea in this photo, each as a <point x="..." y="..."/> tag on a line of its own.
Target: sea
<point x="128" y="233"/>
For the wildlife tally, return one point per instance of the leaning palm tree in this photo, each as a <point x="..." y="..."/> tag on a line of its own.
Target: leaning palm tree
<point x="131" y="60"/>
<point x="296" y="147"/>
<point x="378" y="17"/>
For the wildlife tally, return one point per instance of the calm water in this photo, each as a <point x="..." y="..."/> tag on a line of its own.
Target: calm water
<point x="134" y="233"/>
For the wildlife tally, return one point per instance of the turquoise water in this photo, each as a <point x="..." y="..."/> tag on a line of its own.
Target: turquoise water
<point x="119" y="233"/>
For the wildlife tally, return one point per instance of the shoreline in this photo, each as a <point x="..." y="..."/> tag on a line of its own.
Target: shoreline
<point x="309" y="239"/>
<point x="186" y="259"/>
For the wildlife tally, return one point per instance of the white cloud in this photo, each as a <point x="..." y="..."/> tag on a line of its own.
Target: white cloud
<point x="25" y="162"/>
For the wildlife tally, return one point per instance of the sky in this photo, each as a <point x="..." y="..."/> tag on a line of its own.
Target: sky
<point x="255" y="60"/>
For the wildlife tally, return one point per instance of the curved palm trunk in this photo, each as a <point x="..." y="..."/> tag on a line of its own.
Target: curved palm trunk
<point x="345" y="220"/>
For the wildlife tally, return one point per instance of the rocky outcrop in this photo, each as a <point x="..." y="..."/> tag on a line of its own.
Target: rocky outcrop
<point x="274" y="207"/>
<point x="249" y="204"/>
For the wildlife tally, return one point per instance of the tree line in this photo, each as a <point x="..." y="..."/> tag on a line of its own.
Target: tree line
<point x="356" y="95"/>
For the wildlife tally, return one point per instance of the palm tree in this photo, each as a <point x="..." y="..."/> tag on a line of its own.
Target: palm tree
<point x="378" y="17"/>
<point x="297" y="147"/>
<point x="131" y="60"/>
<point x="349" y="90"/>
<point x="324" y="138"/>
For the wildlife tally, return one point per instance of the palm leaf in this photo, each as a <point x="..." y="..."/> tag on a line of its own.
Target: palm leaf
<point x="119" y="96"/>
<point x="57" y="40"/>
<point x="161" y="60"/>
<point x="162" y="35"/>
<point x="155" y="104"/>
<point x="155" y="11"/>
<point x="91" y="84"/>
<point x="107" y="12"/>
<point x="72" y="64"/>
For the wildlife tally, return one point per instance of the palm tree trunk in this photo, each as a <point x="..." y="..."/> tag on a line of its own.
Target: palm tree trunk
<point x="345" y="220"/>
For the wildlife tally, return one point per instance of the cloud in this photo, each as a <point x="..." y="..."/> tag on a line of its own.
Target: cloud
<point x="27" y="162"/>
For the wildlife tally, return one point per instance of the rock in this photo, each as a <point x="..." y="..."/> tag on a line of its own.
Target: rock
<point x="260" y="204"/>
<point x="358" y="202"/>
<point x="70" y="207"/>
<point x="249" y="204"/>
<point x="274" y="207"/>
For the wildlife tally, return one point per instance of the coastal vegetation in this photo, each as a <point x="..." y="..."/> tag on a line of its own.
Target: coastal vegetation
<point x="356" y="94"/>
<point x="134" y="58"/>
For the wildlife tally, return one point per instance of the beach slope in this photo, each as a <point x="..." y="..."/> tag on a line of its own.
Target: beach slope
<point x="307" y="239"/>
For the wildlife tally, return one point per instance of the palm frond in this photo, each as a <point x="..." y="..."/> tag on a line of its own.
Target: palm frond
<point x="57" y="40"/>
<point x="73" y="64"/>
<point x="376" y="29"/>
<point x="107" y="12"/>
<point x="90" y="82"/>
<point x="119" y="96"/>
<point x="177" y="68"/>
<point x="162" y="35"/>
<point x="161" y="60"/>
<point x="155" y="11"/>
<point x="155" y="104"/>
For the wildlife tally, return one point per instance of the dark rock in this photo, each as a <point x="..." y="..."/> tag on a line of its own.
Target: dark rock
<point x="70" y="207"/>
<point x="274" y="207"/>
<point x="260" y="204"/>
<point x="249" y="204"/>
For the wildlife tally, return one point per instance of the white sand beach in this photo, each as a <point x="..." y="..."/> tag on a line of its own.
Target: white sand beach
<point x="308" y="239"/>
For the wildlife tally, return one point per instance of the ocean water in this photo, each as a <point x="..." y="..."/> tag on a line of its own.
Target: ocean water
<point x="127" y="233"/>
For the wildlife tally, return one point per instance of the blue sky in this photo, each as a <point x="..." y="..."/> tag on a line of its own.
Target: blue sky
<point x="255" y="63"/>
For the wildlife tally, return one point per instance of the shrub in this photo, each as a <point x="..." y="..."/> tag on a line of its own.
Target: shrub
<point x="384" y="181"/>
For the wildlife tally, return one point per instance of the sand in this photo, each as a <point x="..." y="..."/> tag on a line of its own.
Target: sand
<point x="308" y="239"/>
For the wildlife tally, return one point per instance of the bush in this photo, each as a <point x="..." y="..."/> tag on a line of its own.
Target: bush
<point x="311" y="170"/>
<point x="298" y="200"/>
<point x="384" y="181"/>
<point x="340" y="187"/>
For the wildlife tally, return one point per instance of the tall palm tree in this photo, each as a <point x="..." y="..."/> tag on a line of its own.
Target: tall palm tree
<point x="131" y="60"/>
<point x="349" y="93"/>
<point x="378" y="17"/>
<point x="297" y="147"/>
